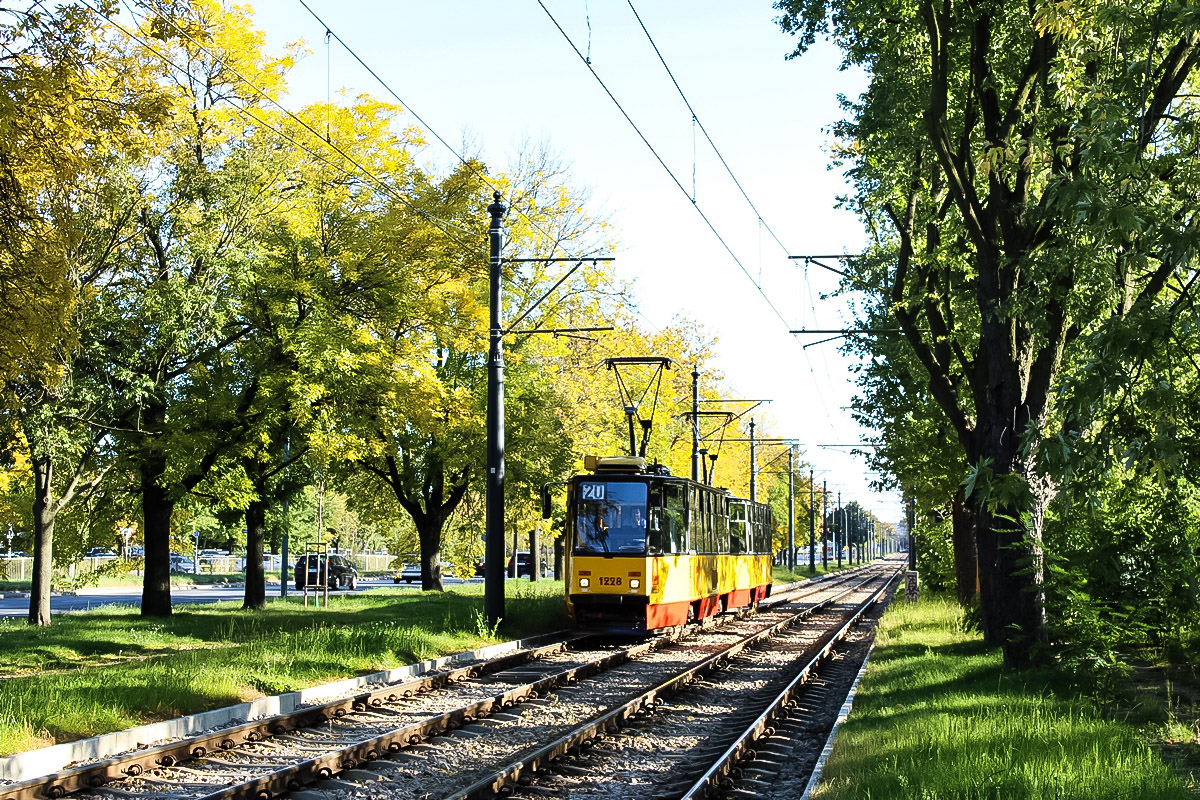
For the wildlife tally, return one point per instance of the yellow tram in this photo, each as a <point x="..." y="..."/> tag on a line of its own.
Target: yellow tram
<point x="647" y="550"/>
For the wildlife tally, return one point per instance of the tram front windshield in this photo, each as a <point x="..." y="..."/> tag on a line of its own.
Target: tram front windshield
<point x="611" y="517"/>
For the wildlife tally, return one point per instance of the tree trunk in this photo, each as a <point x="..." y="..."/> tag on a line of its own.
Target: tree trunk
<point x="44" y="513"/>
<point x="157" y="508"/>
<point x="1008" y="538"/>
<point x="966" y="565"/>
<point x="256" y="584"/>
<point x="429" y="534"/>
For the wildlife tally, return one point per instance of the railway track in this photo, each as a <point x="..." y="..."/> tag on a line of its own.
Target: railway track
<point x="476" y="730"/>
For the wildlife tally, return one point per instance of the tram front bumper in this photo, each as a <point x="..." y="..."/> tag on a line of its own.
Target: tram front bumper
<point x="610" y="613"/>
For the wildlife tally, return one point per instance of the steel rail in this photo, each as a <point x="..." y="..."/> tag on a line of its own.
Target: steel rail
<point x="293" y="776"/>
<point x="811" y="586"/>
<point x="543" y="757"/>
<point x="170" y="754"/>
<point x="742" y="748"/>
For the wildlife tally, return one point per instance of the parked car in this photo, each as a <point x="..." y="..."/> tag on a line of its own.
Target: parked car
<point x="338" y="572"/>
<point x="101" y="552"/>
<point x="182" y="564"/>
<point x="412" y="572"/>
<point x="270" y="563"/>
<point x="524" y="565"/>
<point x="480" y="567"/>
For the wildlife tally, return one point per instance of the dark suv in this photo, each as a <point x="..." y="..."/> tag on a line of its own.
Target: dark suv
<point x="339" y="573"/>
<point x="524" y="565"/>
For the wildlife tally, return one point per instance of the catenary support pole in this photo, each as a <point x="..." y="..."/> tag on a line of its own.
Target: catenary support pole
<point x="824" y="530"/>
<point x="696" y="455"/>
<point x="812" y="524"/>
<point x="839" y="534"/>
<point x="535" y="556"/>
<point x="493" y="590"/>
<point x="791" y="542"/>
<point x="753" y="469"/>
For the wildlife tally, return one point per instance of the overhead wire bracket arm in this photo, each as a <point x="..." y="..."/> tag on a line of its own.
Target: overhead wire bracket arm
<point x="816" y="260"/>
<point x="580" y="259"/>
<point x="557" y="331"/>
<point x="821" y="341"/>
<point x="579" y="262"/>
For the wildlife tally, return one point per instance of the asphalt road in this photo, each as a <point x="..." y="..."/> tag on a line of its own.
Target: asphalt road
<point x="13" y="605"/>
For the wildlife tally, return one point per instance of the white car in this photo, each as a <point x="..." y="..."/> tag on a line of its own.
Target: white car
<point x="182" y="564"/>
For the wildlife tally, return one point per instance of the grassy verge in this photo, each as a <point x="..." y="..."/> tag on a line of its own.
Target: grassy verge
<point x="96" y="672"/>
<point x="937" y="716"/>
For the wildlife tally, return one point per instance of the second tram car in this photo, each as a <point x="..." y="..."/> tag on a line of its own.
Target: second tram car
<point x="647" y="550"/>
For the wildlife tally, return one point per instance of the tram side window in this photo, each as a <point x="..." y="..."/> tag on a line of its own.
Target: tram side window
<point x="668" y="520"/>
<point x="675" y="513"/>
<point x="760" y="533"/>
<point x="696" y="528"/>
<point x="737" y="528"/>
<point x="720" y="526"/>
<point x="757" y="527"/>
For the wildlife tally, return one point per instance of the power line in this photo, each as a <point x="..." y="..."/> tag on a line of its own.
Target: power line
<point x="695" y="205"/>
<point x="659" y="158"/>
<point x="697" y="123"/>
<point x="700" y="125"/>
<point x="329" y="32"/>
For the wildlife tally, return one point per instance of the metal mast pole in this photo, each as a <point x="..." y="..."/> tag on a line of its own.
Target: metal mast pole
<point x="753" y="471"/>
<point x="696" y="456"/>
<point x="839" y="533"/>
<point x="283" y="555"/>
<point x="854" y="523"/>
<point x="853" y="531"/>
<point x="493" y="589"/>
<point x="812" y="524"/>
<point x="824" y="533"/>
<point x="791" y="544"/>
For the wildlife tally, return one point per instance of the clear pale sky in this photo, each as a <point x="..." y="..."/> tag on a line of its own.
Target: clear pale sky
<point x="500" y="73"/>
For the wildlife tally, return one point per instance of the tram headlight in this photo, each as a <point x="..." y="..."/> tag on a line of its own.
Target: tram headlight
<point x="584" y="583"/>
<point x="634" y="583"/>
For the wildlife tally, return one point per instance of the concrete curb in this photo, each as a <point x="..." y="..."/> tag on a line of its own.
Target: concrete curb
<point x="843" y="713"/>
<point x="48" y="760"/>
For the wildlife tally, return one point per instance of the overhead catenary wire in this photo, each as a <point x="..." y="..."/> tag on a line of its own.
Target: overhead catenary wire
<point x="328" y="29"/>
<point x="329" y="32"/>
<point x="698" y="124"/>
<point x="662" y="163"/>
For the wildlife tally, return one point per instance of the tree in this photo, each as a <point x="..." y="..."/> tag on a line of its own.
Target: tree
<point x="172" y="312"/>
<point x="1029" y="171"/>
<point x="76" y="111"/>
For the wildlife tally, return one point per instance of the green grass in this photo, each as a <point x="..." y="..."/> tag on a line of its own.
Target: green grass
<point x="96" y="672"/>
<point x="937" y="716"/>
<point x="132" y="579"/>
